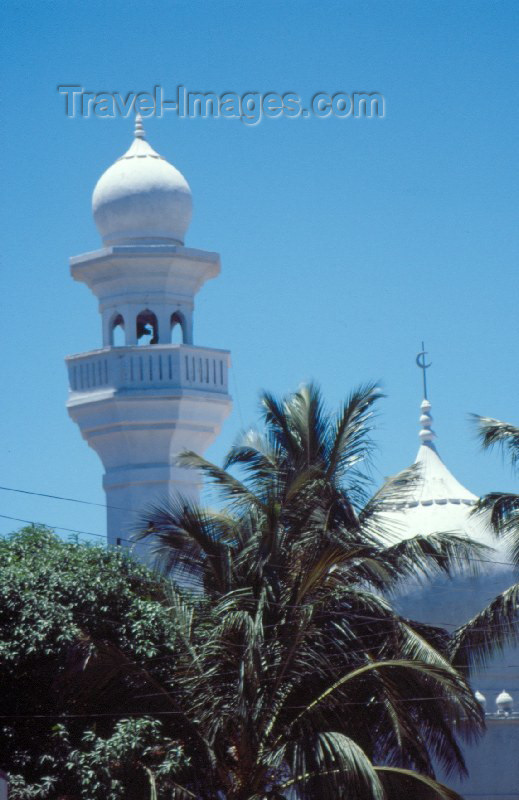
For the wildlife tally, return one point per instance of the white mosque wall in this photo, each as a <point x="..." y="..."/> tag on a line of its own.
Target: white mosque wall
<point x="449" y="603"/>
<point x="493" y="764"/>
<point x="439" y="503"/>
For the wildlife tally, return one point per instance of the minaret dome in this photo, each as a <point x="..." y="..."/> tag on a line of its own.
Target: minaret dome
<point x="142" y="198"/>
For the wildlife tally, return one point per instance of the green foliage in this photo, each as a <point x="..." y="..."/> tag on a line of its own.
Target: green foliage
<point x="291" y="673"/>
<point x="306" y="678"/>
<point x="502" y="509"/>
<point x="497" y="625"/>
<point x="136" y="761"/>
<point x="112" y="768"/>
<point x="52" y="590"/>
<point x="55" y="598"/>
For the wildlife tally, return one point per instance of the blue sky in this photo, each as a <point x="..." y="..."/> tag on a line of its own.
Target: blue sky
<point x="344" y="242"/>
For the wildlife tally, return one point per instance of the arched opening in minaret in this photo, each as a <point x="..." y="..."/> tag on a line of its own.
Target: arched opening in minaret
<point x="178" y="328"/>
<point x="147" y="328"/>
<point x="117" y="337"/>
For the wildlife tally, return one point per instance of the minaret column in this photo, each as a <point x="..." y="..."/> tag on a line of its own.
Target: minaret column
<point x="140" y="404"/>
<point x="164" y="322"/>
<point x="188" y="327"/>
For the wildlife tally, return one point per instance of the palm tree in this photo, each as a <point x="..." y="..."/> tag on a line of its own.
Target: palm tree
<point x="503" y="508"/>
<point x="294" y="670"/>
<point x="497" y="625"/>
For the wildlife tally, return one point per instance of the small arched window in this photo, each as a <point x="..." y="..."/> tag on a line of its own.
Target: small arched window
<point x="178" y="328"/>
<point x="147" y="328"/>
<point x="117" y="338"/>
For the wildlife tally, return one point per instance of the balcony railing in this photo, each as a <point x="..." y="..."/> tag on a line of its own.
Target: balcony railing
<point x="152" y="366"/>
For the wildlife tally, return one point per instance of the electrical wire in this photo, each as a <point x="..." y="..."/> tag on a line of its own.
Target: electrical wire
<point x="61" y="528"/>
<point x="60" y="497"/>
<point x="174" y="713"/>
<point x="133" y="542"/>
<point x="122" y="714"/>
<point x="121" y="508"/>
<point x="194" y="583"/>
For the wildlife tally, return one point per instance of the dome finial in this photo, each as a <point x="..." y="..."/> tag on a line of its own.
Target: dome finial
<point x="142" y="198"/>
<point x="139" y="131"/>
<point x="420" y="360"/>
<point x="504" y="703"/>
<point x="426" y="433"/>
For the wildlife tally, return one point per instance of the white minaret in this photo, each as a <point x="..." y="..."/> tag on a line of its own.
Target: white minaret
<point x="140" y="402"/>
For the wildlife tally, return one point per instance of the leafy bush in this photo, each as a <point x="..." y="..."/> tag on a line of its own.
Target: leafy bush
<point x="56" y="597"/>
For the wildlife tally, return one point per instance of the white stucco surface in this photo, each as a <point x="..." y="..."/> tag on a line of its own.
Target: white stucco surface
<point x="139" y="405"/>
<point x="440" y="503"/>
<point x="142" y="197"/>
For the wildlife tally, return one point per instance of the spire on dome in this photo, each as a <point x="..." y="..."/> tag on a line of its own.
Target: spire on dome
<point x="139" y="131"/>
<point x="426" y="433"/>
<point x="438" y="501"/>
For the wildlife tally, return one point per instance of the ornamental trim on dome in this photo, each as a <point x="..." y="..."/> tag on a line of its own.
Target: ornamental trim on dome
<point x="436" y="485"/>
<point x="142" y="198"/>
<point x="140" y="147"/>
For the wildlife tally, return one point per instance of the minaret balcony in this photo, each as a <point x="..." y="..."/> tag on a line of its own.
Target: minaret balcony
<point x="139" y="369"/>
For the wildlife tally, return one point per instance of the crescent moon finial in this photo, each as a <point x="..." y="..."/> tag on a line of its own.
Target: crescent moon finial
<point x="420" y="360"/>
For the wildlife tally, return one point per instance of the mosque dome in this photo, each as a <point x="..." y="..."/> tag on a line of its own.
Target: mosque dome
<point x="142" y="198"/>
<point x="438" y="501"/>
<point x="504" y="703"/>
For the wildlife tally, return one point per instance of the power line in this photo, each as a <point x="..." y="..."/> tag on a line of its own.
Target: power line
<point x="137" y="511"/>
<point x="61" y="528"/>
<point x="99" y="618"/>
<point x="348" y="650"/>
<point x="60" y="497"/>
<point x="132" y="541"/>
<point x="195" y="583"/>
<point x="122" y="714"/>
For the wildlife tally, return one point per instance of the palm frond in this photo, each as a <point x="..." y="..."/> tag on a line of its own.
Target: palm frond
<point x="417" y="644"/>
<point x="501" y="509"/>
<point x="334" y="766"/>
<point x="394" y="493"/>
<point x="188" y="541"/>
<point x="401" y="783"/>
<point x="230" y="487"/>
<point x="496" y="626"/>
<point x="351" y="443"/>
<point x="445" y="677"/>
<point x="183" y="614"/>
<point x="259" y="454"/>
<point x="493" y="432"/>
<point x="444" y="552"/>
<point x="502" y="512"/>
<point x="276" y="420"/>
<point x="309" y="420"/>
